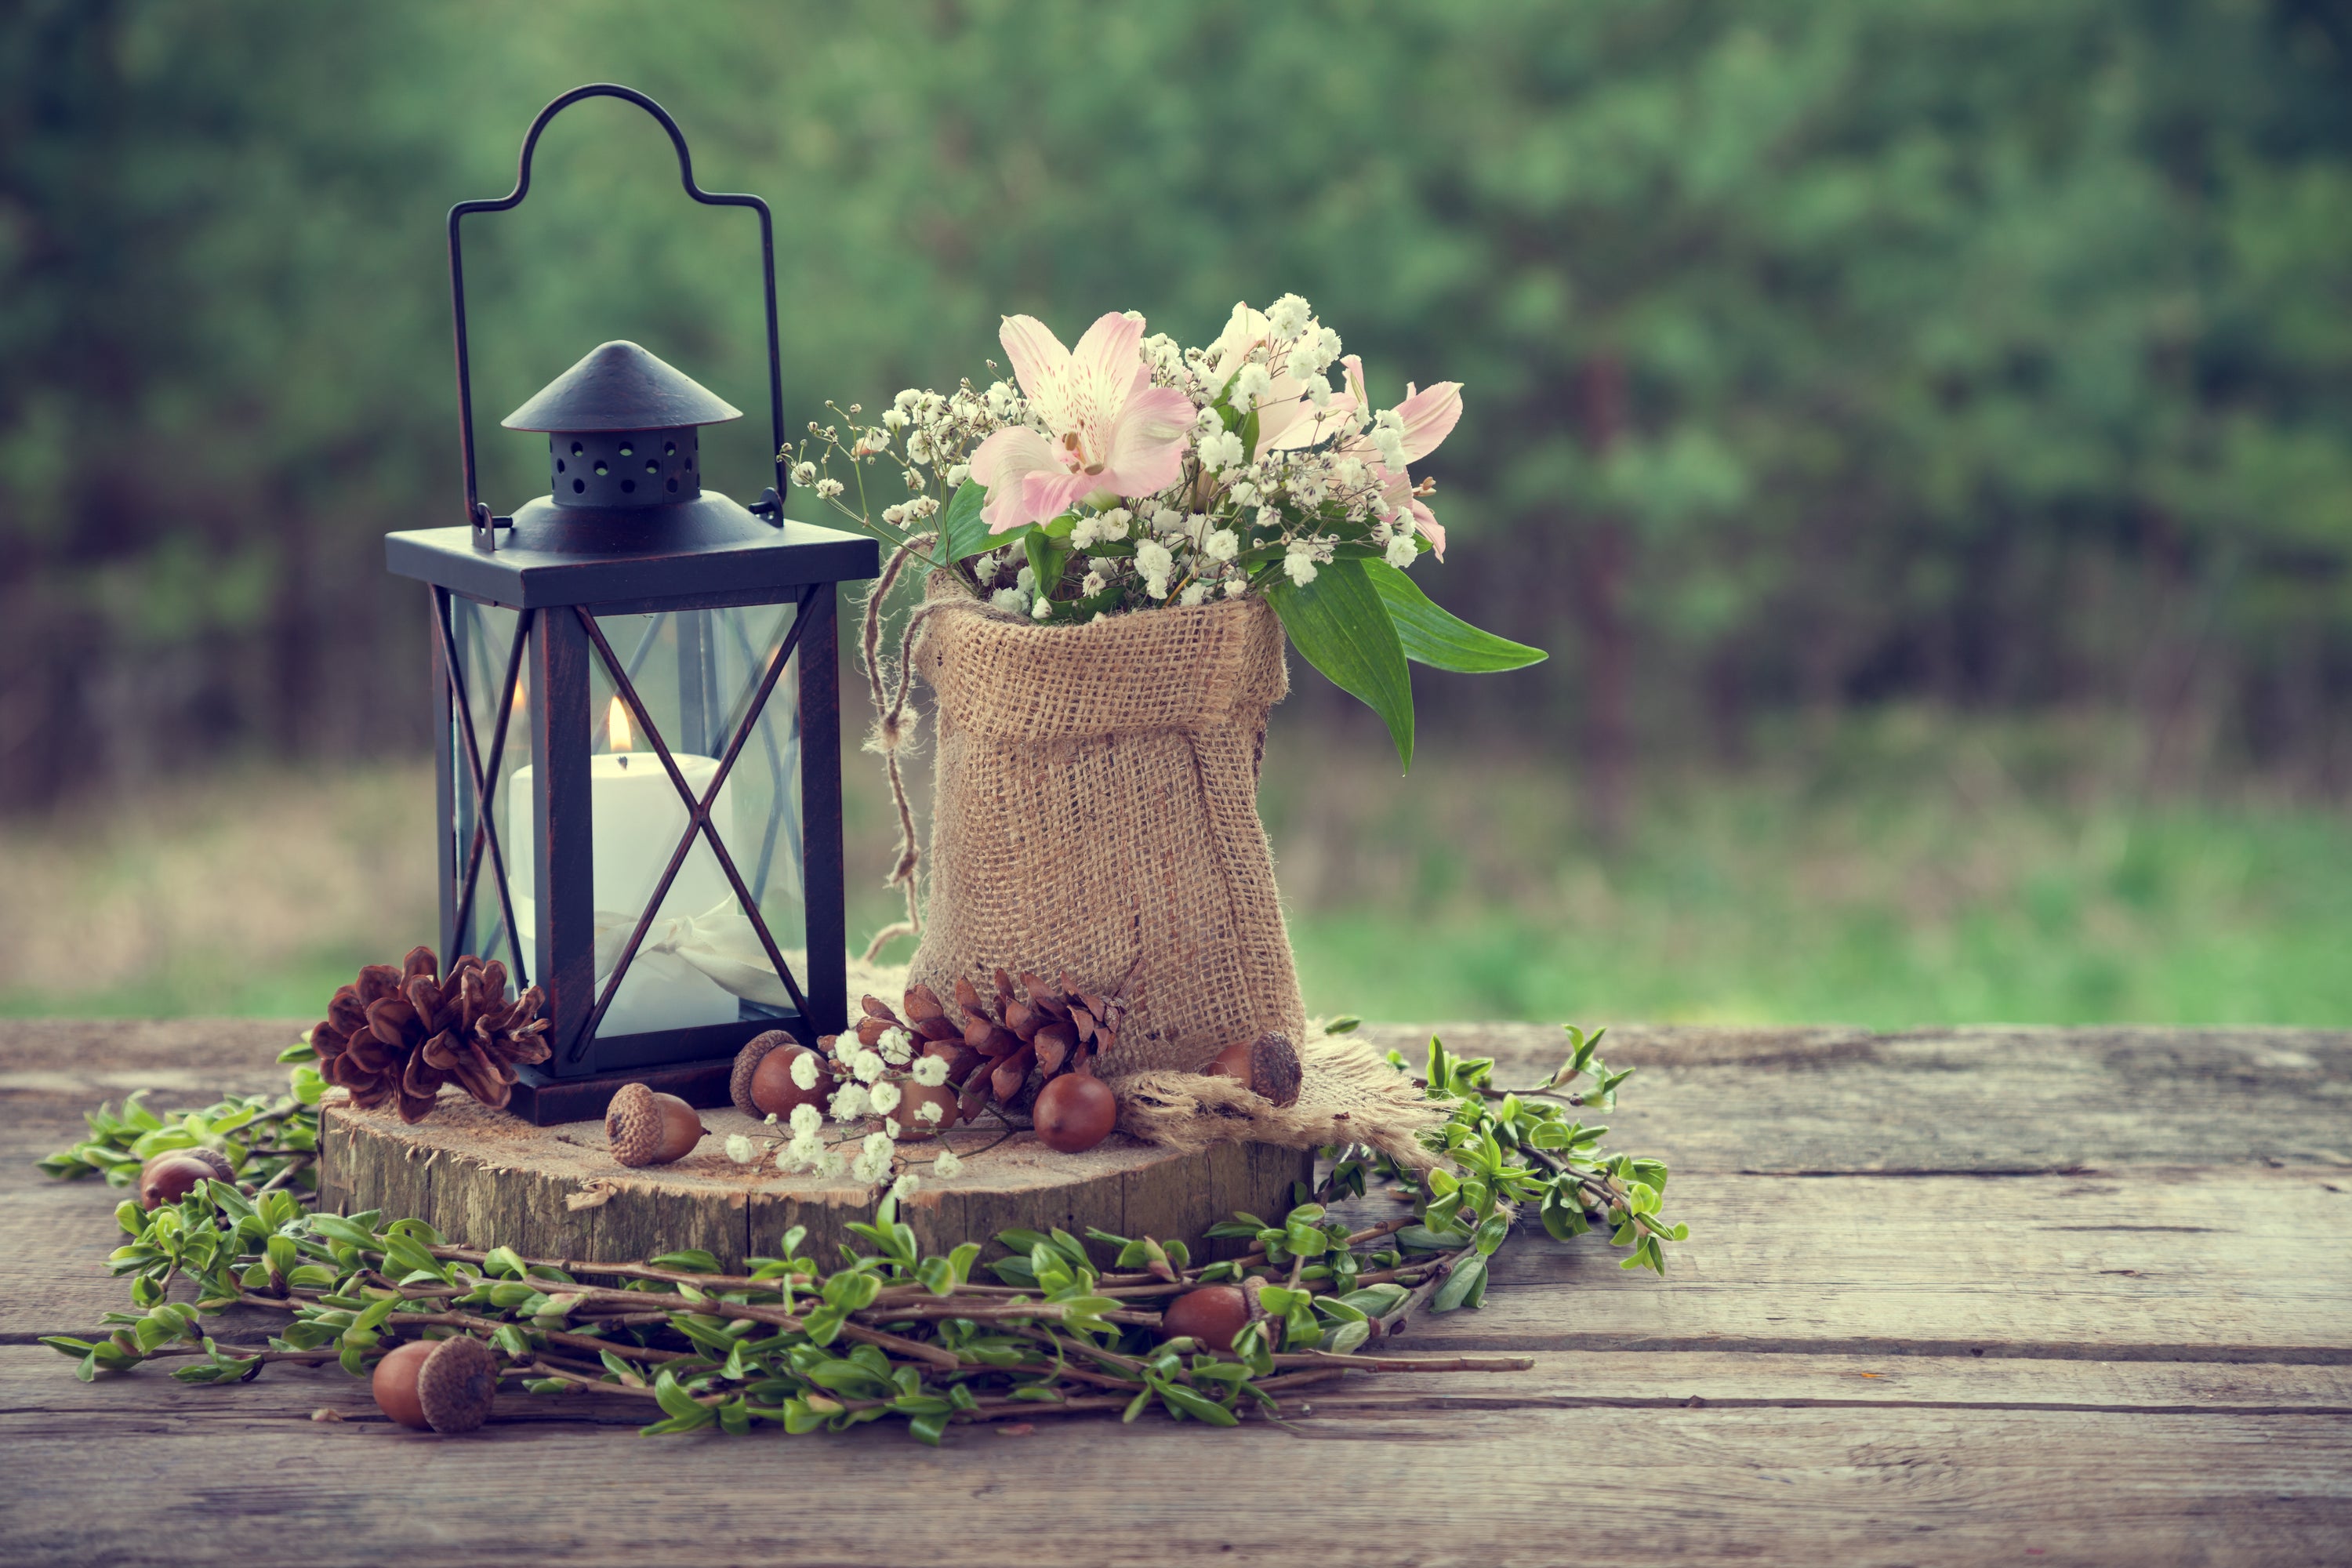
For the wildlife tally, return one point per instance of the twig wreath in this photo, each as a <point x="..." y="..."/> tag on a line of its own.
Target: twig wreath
<point x="225" y="1205"/>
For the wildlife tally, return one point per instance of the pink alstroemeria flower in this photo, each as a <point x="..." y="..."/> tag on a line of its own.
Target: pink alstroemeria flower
<point x="1113" y="433"/>
<point x="1429" y="416"/>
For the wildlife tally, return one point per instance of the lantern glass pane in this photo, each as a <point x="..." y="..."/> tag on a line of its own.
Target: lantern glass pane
<point x="697" y="676"/>
<point x="485" y="636"/>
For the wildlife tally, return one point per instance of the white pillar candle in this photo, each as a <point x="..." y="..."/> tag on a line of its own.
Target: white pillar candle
<point x="638" y="821"/>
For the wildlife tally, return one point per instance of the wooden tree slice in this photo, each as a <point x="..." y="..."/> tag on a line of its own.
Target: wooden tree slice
<point x="484" y="1178"/>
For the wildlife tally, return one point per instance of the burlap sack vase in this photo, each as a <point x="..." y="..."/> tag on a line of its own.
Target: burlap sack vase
<point x="1095" y="810"/>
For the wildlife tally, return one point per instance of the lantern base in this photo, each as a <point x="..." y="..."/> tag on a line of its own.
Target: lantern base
<point x="545" y="1100"/>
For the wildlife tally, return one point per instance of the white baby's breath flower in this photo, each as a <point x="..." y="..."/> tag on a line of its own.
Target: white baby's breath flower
<point x="1288" y="316"/>
<point x="884" y="1097"/>
<point x="1389" y="444"/>
<point x="1316" y="347"/>
<point x="1112" y="525"/>
<point x="1092" y="585"/>
<point x="804" y="474"/>
<point x="849" y="1103"/>
<point x="1208" y="421"/>
<point x="904" y="1187"/>
<point x="1319" y="391"/>
<point x="1299" y="561"/>
<point x="946" y="1166"/>
<point x="1401" y="551"/>
<point x="868" y="1066"/>
<point x="872" y="1163"/>
<point x="742" y="1149"/>
<point x="1027" y="580"/>
<point x="1042" y="610"/>
<point x="894" y="515"/>
<point x="959" y="473"/>
<point x="1243" y="494"/>
<point x="907" y="397"/>
<point x="807" y="1121"/>
<point x="1192" y="594"/>
<point x="1084" y="531"/>
<point x="929" y="1111"/>
<point x="931" y="1071"/>
<point x="1151" y="559"/>
<point x="1222" y="545"/>
<point x="831" y="1165"/>
<point x="827" y="488"/>
<point x="894" y="417"/>
<point x="1012" y="599"/>
<point x="1236" y="587"/>
<point x="1251" y="382"/>
<point x="1220" y="451"/>
<point x="919" y="447"/>
<point x="805" y="1071"/>
<point x="792" y="1159"/>
<point x="897" y="1047"/>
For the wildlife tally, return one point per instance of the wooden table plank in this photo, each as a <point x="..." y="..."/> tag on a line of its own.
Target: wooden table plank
<point x="1682" y="1484"/>
<point x="2056" y="1296"/>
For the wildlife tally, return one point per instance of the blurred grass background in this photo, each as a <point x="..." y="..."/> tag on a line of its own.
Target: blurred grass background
<point x="1920" y="429"/>
<point x="1912" y="873"/>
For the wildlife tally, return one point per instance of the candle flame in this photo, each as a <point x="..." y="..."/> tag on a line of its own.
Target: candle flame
<point x="617" y="726"/>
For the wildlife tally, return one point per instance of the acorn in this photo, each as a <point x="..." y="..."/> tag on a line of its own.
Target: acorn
<point x="911" y="1095"/>
<point x="649" y="1128"/>
<point x="1211" y="1315"/>
<point x="173" y="1174"/>
<point x="1269" y="1064"/>
<point x="762" y="1083"/>
<point x="1074" y="1112"/>
<point x="437" y="1385"/>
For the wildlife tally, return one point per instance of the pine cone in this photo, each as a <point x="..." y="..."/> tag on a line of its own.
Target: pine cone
<point x="402" y="1033"/>
<point x="1028" y="1026"/>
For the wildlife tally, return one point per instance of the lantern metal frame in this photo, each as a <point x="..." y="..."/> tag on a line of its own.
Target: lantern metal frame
<point x="657" y="561"/>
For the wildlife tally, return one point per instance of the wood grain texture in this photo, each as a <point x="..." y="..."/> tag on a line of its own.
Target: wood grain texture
<point x="1950" y="1298"/>
<point x="1603" y="1483"/>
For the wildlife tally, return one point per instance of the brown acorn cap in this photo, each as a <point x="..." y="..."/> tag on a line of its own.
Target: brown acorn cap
<point x="1274" y="1069"/>
<point x="213" y="1157"/>
<point x="457" y="1382"/>
<point x="633" y="1121"/>
<point x="747" y="1062"/>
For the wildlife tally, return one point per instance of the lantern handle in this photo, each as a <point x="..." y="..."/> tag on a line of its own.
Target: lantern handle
<point x="478" y="515"/>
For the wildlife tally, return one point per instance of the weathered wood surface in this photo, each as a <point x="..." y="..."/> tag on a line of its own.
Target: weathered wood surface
<point x="1972" y="1296"/>
<point x="485" y="1179"/>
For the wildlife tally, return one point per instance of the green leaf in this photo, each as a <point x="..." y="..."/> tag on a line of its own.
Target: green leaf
<point x="1467" y="1281"/>
<point x="1438" y="639"/>
<point x="695" y="1261"/>
<point x="1341" y="627"/>
<point x="964" y="533"/>
<point x="1198" y="1407"/>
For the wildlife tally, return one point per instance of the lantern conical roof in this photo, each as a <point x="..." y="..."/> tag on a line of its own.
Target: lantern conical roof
<point x="620" y="386"/>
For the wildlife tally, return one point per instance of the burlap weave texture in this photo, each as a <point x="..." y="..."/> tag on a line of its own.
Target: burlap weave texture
<point x="1094" y="809"/>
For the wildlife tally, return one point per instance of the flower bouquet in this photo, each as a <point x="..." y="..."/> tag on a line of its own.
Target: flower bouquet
<point x="1132" y="474"/>
<point x="1118" y="540"/>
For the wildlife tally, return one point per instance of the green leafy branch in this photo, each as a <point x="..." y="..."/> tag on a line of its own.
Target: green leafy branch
<point x="1067" y="1326"/>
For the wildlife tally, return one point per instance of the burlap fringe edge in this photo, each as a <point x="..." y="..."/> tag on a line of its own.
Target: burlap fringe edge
<point x="1350" y="1095"/>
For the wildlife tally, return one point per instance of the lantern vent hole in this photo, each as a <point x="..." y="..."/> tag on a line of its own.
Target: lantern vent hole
<point x="628" y="450"/>
<point x="578" y="486"/>
<point x="628" y="486"/>
<point x="576" y="448"/>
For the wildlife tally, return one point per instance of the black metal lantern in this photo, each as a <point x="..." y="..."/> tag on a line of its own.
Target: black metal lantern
<point x="665" y="826"/>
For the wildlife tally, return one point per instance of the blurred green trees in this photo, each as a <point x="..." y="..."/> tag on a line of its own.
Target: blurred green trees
<point x="1994" y="352"/>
